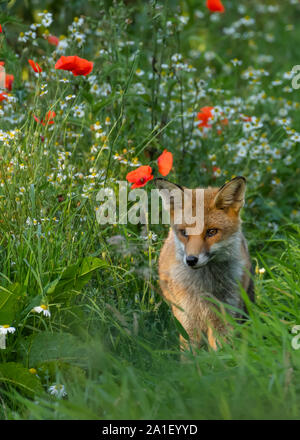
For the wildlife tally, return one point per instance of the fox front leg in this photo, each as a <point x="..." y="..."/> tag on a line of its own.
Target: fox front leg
<point x="212" y="340"/>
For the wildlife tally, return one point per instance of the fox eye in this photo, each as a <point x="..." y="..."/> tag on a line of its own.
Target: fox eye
<point x="211" y="232"/>
<point x="183" y="232"/>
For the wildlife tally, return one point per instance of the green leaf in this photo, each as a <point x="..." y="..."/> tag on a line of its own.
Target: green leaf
<point x="18" y="376"/>
<point x="10" y="302"/>
<point x="73" y="278"/>
<point x="181" y="329"/>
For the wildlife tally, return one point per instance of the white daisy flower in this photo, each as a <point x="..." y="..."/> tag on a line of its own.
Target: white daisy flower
<point x="57" y="390"/>
<point x="295" y="138"/>
<point x="62" y="46"/>
<point x="42" y="309"/>
<point x="79" y="38"/>
<point x="68" y="97"/>
<point x="151" y="236"/>
<point x="276" y="82"/>
<point x="23" y="38"/>
<point x="97" y="126"/>
<point x="78" y="111"/>
<point x="236" y="62"/>
<point x="176" y="57"/>
<point x="46" y="18"/>
<point x="4" y="329"/>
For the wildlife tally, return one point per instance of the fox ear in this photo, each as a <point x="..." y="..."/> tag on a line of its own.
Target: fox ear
<point x="232" y="194"/>
<point x="165" y="184"/>
<point x="171" y="193"/>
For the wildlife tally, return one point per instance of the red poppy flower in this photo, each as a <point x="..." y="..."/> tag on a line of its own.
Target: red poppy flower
<point x="52" y="39"/>
<point x="204" y="116"/>
<point x="9" y="79"/>
<point x="48" y="118"/>
<point x="215" y="5"/>
<point x="165" y="163"/>
<point x="35" y="66"/>
<point x="38" y="120"/>
<point x="3" y="96"/>
<point x="1" y="29"/>
<point x="78" y="66"/>
<point x="140" y="176"/>
<point x="2" y="63"/>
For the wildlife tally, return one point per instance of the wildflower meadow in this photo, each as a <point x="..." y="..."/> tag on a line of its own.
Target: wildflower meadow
<point x="94" y="93"/>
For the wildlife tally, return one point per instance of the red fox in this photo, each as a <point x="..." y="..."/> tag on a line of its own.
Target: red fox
<point x="193" y="268"/>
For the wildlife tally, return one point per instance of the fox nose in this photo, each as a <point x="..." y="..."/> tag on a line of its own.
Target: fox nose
<point x="191" y="260"/>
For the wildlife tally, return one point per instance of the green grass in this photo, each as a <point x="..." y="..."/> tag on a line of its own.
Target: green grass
<point x="111" y="340"/>
<point x="125" y="363"/>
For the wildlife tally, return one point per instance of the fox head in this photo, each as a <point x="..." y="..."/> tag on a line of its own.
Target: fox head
<point x="219" y="236"/>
